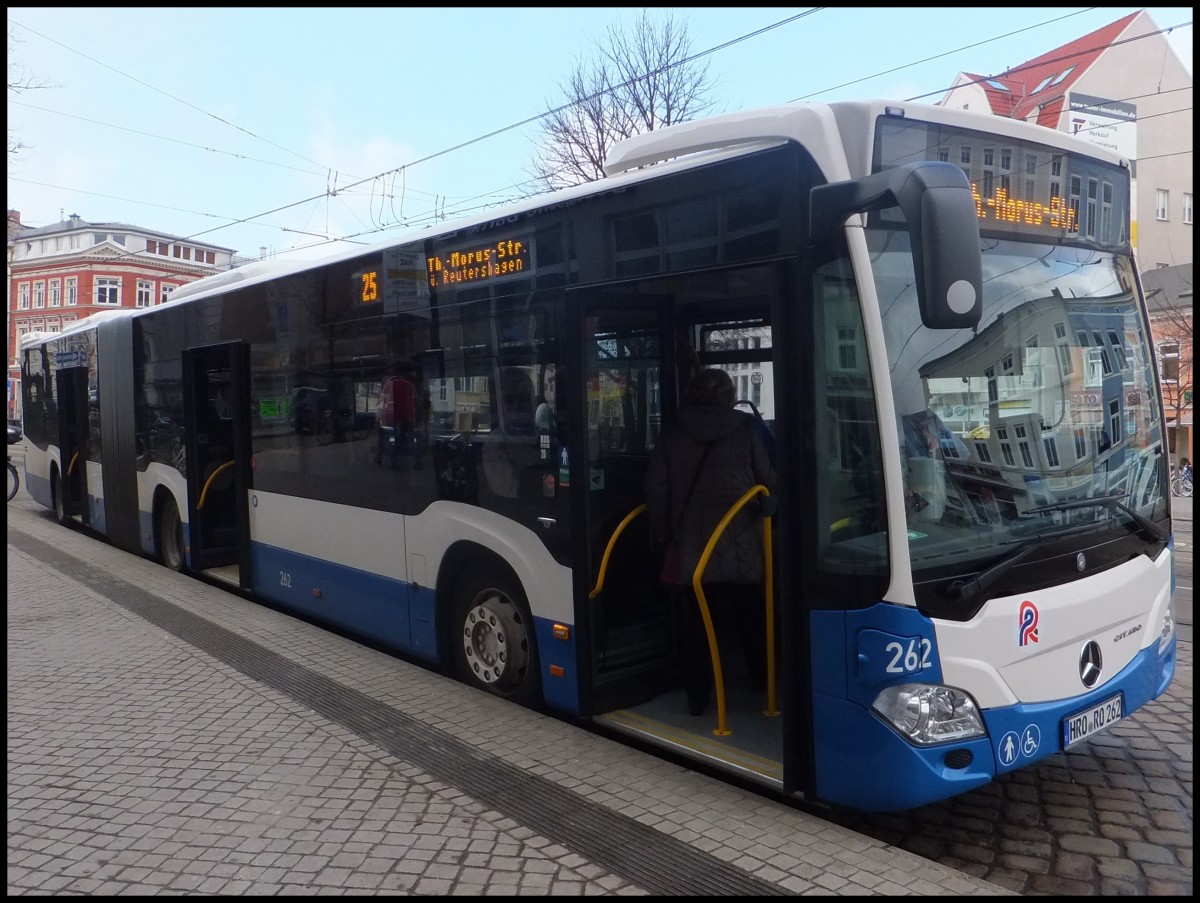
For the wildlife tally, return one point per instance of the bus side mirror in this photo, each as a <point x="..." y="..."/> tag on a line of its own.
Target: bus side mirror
<point x="939" y="214"/>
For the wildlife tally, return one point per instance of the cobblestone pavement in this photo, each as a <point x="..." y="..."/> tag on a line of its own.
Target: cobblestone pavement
<point x="1112" y="817"/>
<point x="144" y="758"/>
<point x="168" y="737"/>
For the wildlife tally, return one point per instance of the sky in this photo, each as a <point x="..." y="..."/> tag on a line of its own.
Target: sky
<point x="301" y="132"/>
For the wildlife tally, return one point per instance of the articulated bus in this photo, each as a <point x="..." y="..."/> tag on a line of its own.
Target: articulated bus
<point x="439" y="444"/>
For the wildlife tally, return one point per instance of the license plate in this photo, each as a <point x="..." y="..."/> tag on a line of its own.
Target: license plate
<point x="1097" y="718"/>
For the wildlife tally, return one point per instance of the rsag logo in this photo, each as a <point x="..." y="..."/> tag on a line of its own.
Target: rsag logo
<point x="1029" y="623"/>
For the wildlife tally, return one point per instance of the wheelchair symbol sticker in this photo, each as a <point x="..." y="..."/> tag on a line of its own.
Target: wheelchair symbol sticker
<point x="1031" y="739"/>
<point x="1013" y="747"/>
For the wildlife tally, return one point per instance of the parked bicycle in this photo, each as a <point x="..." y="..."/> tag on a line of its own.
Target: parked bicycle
<point x="1181" y="479"/>
<point x="14" y="478"/>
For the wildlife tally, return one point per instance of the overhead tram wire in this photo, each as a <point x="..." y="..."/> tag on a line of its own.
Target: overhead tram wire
<point x="539" y="116"/>
<point x="499" y="131"/>
<point x="122" y="128"/>
<point x="755" y="34"/>
<point x="936" y="56"/>
<point x="173" y="97"/>
<point x="1008" y="73"/>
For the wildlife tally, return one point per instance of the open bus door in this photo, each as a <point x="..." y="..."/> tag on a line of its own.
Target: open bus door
<point x="71" y="495"/>
<point x="217" y="430"/>
<point x="629" y="625"/>
<point x="632" y="371"/>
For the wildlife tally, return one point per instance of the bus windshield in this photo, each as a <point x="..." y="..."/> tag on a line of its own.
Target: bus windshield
<point x="1039" y="425"/>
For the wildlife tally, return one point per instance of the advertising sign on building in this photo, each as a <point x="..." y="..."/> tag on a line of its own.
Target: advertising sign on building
<point x="1110" y="124"/>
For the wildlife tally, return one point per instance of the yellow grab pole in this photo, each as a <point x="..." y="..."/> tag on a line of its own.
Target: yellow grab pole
<point x="718" y="679"/>
<point x="208" y="482"/>
<point x="612" y="541"/>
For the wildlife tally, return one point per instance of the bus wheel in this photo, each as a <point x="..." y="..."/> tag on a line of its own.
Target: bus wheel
<point x="60" y="506"/>
<point x="493" y="643"/>
<point x="170" y="535"/>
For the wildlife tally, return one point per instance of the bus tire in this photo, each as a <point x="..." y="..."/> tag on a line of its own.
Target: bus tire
<point x="492" y="640"/>
<point x="170" y="535"/>
<point x="56" y="493"/>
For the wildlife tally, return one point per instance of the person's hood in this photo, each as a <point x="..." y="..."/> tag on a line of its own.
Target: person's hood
<point x="704" y="423"/>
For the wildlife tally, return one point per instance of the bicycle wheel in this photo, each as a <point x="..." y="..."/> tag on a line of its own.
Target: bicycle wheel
<point x="1176" y="486"/>
<point x="1185" y="489"/>
<point x="14" y="480"/>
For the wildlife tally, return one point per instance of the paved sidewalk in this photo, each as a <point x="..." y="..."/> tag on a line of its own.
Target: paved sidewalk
<point x="165" y="736"/>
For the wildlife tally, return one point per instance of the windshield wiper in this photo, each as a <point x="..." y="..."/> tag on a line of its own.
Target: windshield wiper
<point x="1107" y="501"/>
<point x="962" y="590"/>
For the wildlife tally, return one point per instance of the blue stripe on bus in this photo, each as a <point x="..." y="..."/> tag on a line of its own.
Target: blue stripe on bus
<point x="369" y="605"/>
<point x="1144" y="678"/>
<point x="861" y="762"/>
<point x="391" y="612"/>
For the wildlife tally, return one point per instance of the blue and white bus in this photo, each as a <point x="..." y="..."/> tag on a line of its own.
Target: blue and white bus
<point x="938" y="316"/>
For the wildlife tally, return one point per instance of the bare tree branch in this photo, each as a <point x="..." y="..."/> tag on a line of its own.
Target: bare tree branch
<point x="641" y="80"/>
<point x="18" y="83"/>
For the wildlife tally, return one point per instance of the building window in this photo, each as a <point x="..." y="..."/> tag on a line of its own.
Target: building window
<point x="75" y="242"/>
<point x="145" y="293"/>
<point x="1092" y="198"/>
<point x="1051" y="450"/>
<point x="1106" y="212"/>
<point x="55" y="292"/>
<point x="108" y="291"/>
<point x="98" y="238"/>
<point x="1118" y="347"/>
<point x="175" y="252"/>
<point x="847" y="348"/>
<point x="166" y="293"/>
<point x="39" y="294"/>
<point x="1168" y="362"/>
<point x="1162" y="204"/>
<point x="1187" y="208"/>
<point x="23" y="296"/>
<point x="72" y="291"/>
<point x="964" y="154"/>
<point x="1075" y="191"/>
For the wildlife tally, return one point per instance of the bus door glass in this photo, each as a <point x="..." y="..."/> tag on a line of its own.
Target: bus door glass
<point x="629" y="619"/>
<point x="218" y="456"/>
<point x="73" y="429"/>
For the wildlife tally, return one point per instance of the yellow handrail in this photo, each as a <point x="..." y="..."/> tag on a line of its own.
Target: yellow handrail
<point x="71" y="466"/>
<point x="769" y="593"/>
<point x="208" y="482"/>
<point x="612" y="541"/>
<point x="722" y="729"/>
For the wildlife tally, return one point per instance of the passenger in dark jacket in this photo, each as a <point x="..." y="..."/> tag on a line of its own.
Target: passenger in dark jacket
<point x="702" y="465"/>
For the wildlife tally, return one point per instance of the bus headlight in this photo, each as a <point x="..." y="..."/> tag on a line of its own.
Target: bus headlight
<point x="1168" y="627"/>
<point x="926" y="714"/>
